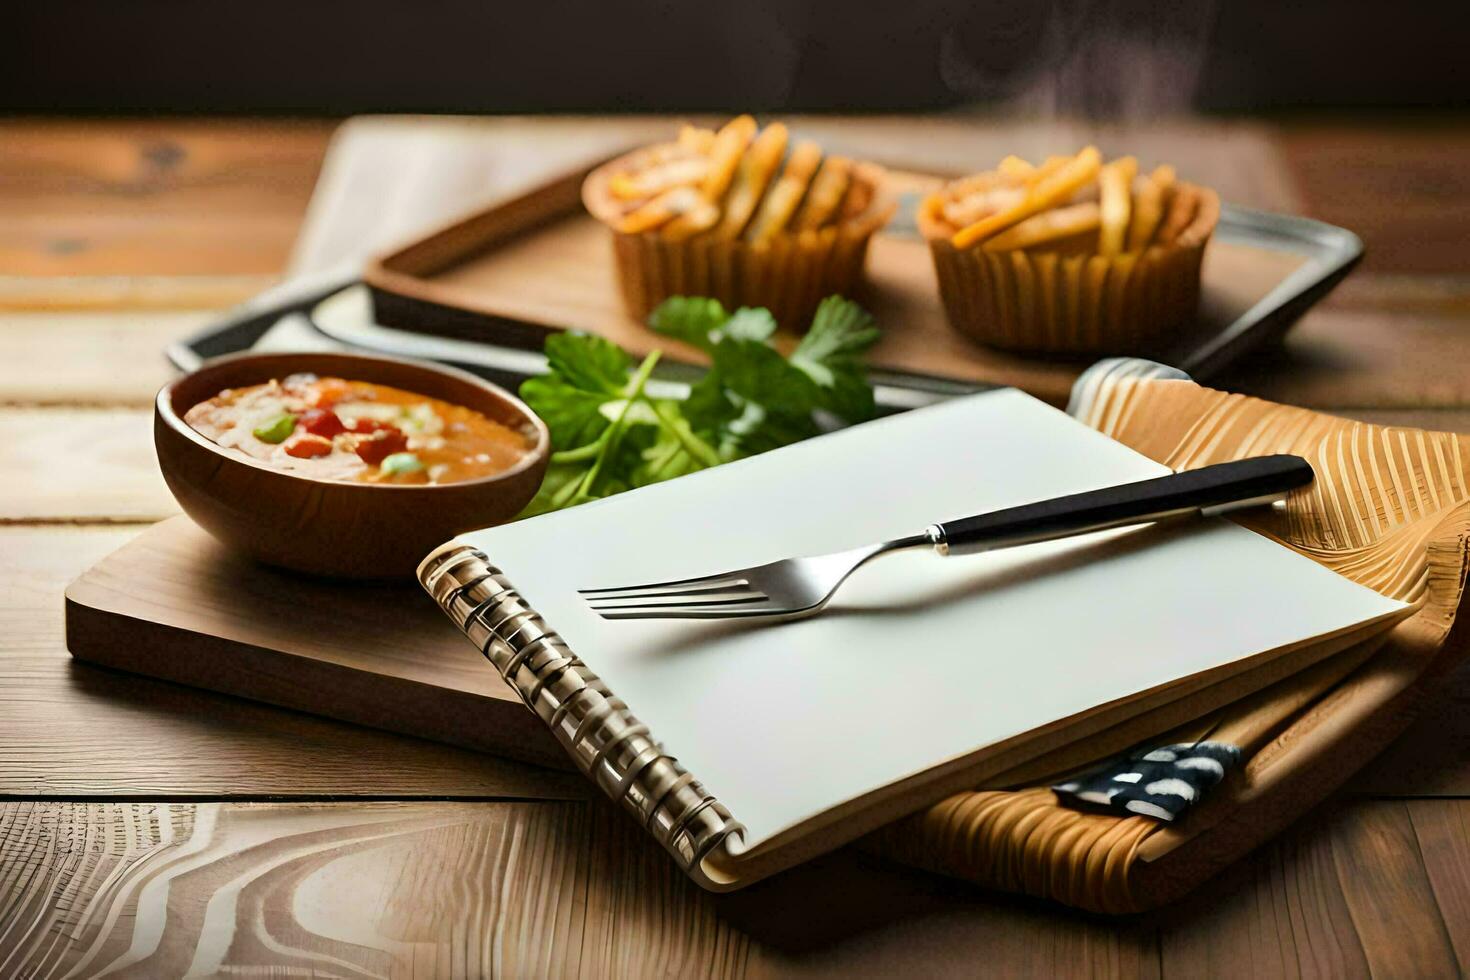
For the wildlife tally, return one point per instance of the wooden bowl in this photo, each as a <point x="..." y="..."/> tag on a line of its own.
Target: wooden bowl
<point x="339" y="529"/>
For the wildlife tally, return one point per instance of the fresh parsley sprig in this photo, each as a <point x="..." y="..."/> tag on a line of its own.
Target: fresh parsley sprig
<point x="609" y="434"/>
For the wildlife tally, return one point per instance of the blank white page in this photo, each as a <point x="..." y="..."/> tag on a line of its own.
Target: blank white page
<point x="920" y="658"/>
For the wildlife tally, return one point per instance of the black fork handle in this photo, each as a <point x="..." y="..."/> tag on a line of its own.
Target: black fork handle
<point x="1208" y="490"/>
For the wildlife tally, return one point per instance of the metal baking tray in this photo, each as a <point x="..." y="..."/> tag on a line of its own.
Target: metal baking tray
<point x="334" y="310"/>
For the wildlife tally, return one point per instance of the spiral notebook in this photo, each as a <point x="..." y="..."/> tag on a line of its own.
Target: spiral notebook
<point x="746" y="749"/>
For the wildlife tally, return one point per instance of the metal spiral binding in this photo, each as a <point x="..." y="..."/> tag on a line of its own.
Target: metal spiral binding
<point x="592" y="724"/>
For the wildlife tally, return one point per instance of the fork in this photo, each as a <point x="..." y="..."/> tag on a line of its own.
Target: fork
<point x="794" y="588"/>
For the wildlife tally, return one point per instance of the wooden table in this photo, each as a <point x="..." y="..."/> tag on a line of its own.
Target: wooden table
<point x="162" y="829"/>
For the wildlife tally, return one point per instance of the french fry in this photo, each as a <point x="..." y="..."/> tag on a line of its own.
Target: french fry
<point x="756" y="168"/>
<point x="1047" y="226"/>
<point x="781" y="202"/>
<point x="701" y="217"/>
<point x="1148" y="208"/>
<point x="1015" y="168"/>
<point x="973" y="184"/>
<point x="973" y="207"/>
<point x="696" y="139"/>
<point x="1164" y="176"/>
<point x="725" y="155"/>
<point x="861" y="190"/>
<point x="660" y="210"/>
<point x="1044" y="170"/>
<point x="1087" y="192"/>
<point x="1052" y="189"/>
<point x="1182" y="206"/>
<point x="931" y="212"/>
<point x="655" y="180"/>
<point x="972" y="198"/>
<point x="985" y="193"/>
<point x="828" y="189"/>
<point x="1115" y="185"/>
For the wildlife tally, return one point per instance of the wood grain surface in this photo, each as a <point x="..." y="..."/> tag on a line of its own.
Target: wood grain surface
<point x="98" y="359"/>
<point x="137" y="197"/>
<point x="153" y="889"/>
<point x="177" y="604"/>
<point x="1403" y="197"/>
<point x="109" y="255"/>
<point x="65" y="725"/>
<point x="80" y="464"/>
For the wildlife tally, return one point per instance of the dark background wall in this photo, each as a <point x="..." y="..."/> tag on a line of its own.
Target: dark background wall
<point x="1106" y="57"/>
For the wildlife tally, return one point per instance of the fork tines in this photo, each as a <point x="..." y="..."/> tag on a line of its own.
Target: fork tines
<point x="719" y="596"/>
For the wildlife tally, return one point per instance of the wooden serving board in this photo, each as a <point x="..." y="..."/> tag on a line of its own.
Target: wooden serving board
<point x="176" y="604"/>
<point x="513" y="271"/>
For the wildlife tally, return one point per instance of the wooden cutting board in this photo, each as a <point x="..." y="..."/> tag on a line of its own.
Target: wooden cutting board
<point x="175" y="604"/>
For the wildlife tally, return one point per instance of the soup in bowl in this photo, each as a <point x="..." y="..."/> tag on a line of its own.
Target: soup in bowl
<point x="342" y="464"/>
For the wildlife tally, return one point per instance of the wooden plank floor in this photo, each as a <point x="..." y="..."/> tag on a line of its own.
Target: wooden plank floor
<point x="152" y="830"/>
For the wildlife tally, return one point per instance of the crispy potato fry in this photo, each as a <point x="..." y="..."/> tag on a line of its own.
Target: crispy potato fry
<point x="1015" y="168"/>
<point x="1182" y="206"/>
<point x="1148" y="208"/>
<point x="1046" y="193"/>
<point x="974" y="184"/>
<point x="1164" y="176"/>
<point x="780" y="203"/>
<point x="829" y="187"/>
<point x="751" y="178"/>
<point x="702" y="217"/>
<point x="660" y="210"/>
<point x="973" y="207"/>
<point x="1047" y="226"/>
<point x="696" y="139"/>
<point x="1087" y="192"/>
<point x="965" y="211"/>
<point x="655" y="180"/>
<point x="968" y="199"/>
<point x="725" y="155"/>
<point x="860" y="191"/>
<point x="1115" y="185"/>
<point x="1048" y="167"/>
<point x="930" y="214"/>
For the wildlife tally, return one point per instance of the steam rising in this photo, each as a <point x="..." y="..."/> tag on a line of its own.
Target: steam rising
<point x="1119" y="59"/>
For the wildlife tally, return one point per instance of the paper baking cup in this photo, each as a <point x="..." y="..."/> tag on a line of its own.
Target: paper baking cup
<point x="789" y="275"/>
<point x="1048" y="303"/>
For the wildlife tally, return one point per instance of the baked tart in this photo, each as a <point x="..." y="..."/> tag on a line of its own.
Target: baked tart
<point x="1071" y="256"/>
<point x="742" y="214"/>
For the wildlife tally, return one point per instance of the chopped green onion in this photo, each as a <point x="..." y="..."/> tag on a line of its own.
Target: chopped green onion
<point x="277" y="428"/>
<point x="400" y="463"/>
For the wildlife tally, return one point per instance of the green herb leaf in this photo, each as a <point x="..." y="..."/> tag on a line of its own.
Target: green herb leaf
<point x="692" y="319"/>
<point x="760" y="429"/>
<point x="831" y="355"/>
<point x="709" y="406"/>
<point x="667" y="458"/>
<point x="586" y="373"/>
<point x="588" y="363"/>
<point x="758" y="373"/>
<point x="574" y="416"/>
<point x="704" y="322"/>
<point x="749" y="323"/>
<point x="608" y="434"/>
<point x="556" y="480"/>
